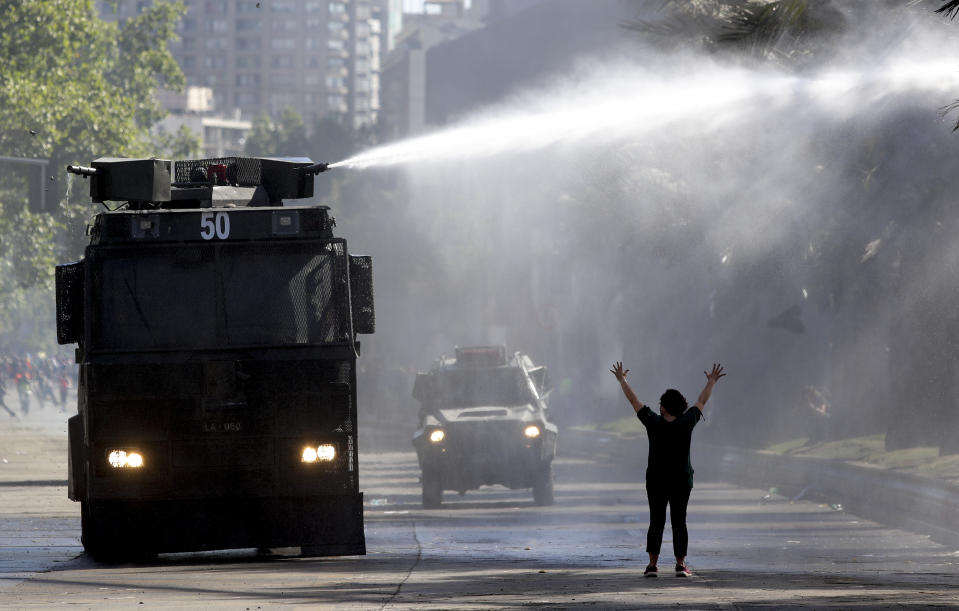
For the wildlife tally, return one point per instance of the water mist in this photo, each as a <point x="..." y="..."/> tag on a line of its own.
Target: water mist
<point x="681" y="212"/>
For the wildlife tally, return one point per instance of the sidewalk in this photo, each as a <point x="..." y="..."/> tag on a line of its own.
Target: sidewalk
<point x="39" y="525"/>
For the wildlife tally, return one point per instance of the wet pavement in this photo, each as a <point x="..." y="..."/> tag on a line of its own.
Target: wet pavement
<point x="490" y="549"/>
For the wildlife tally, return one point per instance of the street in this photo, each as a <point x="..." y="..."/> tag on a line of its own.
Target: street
<point x="490" y="549"/>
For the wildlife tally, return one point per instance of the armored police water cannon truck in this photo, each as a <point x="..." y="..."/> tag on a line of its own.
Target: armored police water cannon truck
<point x="484" y="420"/>
<point x="216" y="329"/>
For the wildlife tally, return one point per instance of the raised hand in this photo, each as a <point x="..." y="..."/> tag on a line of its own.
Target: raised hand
<point x="715" y="374"/>
<point x="618" y="371"/>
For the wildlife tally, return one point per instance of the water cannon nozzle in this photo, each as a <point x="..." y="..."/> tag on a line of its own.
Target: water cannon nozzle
<point x="82" y="170"/>
<point x="316" y="168"/>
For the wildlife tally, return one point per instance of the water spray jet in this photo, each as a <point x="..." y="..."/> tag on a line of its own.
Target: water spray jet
<point x="604" y="110"/>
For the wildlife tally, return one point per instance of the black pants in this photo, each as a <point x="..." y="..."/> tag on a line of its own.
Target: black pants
<point x="676" y="495"/>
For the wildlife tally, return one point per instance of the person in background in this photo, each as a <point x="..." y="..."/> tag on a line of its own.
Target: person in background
<point x="64" y="388"/>
<point x="24" y="390"/>
<point x="669" y="471"/>
<point x="3" y="392"/>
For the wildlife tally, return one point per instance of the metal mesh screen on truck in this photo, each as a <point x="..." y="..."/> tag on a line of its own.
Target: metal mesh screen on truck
<point x="361" y="294"/>
<point x="320" y="280"/>
<point x="69" y="282"/>
<point x="221" y="295"/>
<point x="241" y="171"/>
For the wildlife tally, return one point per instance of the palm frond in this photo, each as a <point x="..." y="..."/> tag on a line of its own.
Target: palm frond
<point x="760" y="27"/>
<point x="671" y="27"/>
<point x="682" y="19"/>
<point x="951" y="9"/>
<point x="945" y="110"/>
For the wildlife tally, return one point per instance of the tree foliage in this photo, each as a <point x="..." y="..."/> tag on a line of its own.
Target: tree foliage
<point x="285" y="138"/>
<point x="785" y="31"/>
<point x="262" y="139"/>
<point x="184" y="144"/>
<point x="73" y="87"/>
<point x="333" y="140"/>
<point x="330" y="139"/>
<point x="784" y="27"/>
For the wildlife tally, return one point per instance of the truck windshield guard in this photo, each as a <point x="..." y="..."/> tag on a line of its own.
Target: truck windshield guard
<point x="500" y="386"/>
<point x="219" y="295"/>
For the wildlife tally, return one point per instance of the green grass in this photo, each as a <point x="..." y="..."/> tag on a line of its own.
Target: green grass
<point x="788" y="447"/>
<point x="628" y="426"/>
<point x="871" y="450"/>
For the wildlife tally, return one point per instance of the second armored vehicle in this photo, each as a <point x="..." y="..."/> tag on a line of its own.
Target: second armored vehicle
<point x="484" y="420"/>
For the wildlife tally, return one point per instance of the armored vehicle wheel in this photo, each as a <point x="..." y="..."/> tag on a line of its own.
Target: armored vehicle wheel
<point x="543" y="486"/>
<point x="432" y="489"/>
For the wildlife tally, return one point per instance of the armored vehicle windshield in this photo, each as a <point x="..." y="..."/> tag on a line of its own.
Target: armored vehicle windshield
<point x="474" y="387"/>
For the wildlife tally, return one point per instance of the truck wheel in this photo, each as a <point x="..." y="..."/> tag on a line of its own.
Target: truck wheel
<point x="432" y="489"/>
<point x="543" y="486"/>
<point x="85" y="534"/>
<point x="91" y="538"/>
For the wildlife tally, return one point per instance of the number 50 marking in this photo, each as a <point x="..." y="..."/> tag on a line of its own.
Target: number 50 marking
<point x="214" y="225"/>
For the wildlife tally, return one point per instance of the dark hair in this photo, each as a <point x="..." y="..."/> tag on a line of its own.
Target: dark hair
<point x="673" y="402"/>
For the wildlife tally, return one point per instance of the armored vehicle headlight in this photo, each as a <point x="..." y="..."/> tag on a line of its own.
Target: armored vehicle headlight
<point x="531" y="431"/>
<point x="125" y="459"/>
<point x="437" y="436"/>
<point x="325" y="452"/>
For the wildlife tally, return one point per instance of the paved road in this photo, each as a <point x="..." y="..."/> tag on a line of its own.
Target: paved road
<point x="491" y="549"/>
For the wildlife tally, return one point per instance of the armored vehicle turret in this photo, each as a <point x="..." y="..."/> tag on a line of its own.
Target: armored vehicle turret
<point x="216" y="327"/>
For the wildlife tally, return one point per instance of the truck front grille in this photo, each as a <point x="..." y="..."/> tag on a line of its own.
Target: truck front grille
<point x="223" y="453"/>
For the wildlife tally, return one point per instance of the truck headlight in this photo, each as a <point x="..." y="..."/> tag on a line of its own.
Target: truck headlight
<point x="125" y="459"/>
<point x="325" y="452"/>
<point x="437" y="436"/>
<point x="532" y="431"/>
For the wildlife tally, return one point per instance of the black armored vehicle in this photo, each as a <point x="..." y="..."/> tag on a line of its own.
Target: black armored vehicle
<point x="484" y="420"/>
<point x="217" y="341"/>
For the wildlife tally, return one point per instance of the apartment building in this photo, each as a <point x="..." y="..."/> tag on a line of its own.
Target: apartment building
<point x="452" y="60"/>
<point x="317" y="56"/>
<point x="220" y="136"/>
<point x="404" y="75"/>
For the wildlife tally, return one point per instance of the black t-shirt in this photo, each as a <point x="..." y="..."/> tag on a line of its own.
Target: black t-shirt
<point x="669" y="445"/>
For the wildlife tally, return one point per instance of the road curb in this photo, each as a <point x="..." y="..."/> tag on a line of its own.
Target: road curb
<point x="919" y="504"/>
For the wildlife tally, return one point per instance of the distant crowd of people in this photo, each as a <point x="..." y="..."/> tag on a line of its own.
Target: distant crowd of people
<point x="37" y="381"/>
